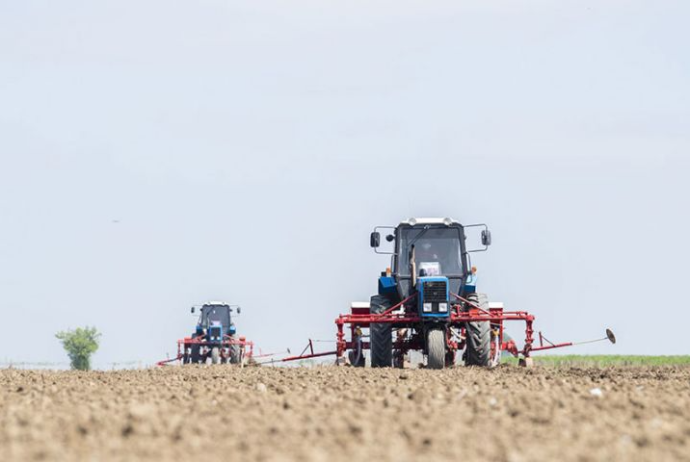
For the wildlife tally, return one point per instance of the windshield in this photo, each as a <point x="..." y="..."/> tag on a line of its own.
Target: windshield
<point x="215" y="314"/>
<point x="437" y="251"/>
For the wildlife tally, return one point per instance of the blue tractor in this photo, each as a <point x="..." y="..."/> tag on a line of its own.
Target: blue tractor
<point x="215" y="336"/>
<point x="425" y="296"/>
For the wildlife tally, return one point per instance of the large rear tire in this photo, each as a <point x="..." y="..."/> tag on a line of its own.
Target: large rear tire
<point x="478" y="350"/>
<point x="380" y="334"/>
<point x="436" y="348"/>
<point x="235" y="354"/>
<point x="195" y="354"/>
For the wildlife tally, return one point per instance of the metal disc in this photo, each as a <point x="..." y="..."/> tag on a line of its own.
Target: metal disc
<point x="610" y="336"/>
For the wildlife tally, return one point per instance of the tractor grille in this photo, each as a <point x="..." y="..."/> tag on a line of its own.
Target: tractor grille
<point x="435" y="291"/>
<point x="215" y="334"/>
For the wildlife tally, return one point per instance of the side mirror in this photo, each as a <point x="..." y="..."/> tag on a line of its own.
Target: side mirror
<point x="239" y="310"/>
<point x="375" y="239"/>
<point x="192" y="310"/>
<point x="486" y="238"/>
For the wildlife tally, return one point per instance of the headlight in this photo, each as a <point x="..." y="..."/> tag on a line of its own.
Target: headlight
<point x="443" y="307"/>
<point x="427" y="307"/>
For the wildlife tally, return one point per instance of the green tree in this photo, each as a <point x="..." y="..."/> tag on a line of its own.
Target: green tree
<point x="80" y="344"/>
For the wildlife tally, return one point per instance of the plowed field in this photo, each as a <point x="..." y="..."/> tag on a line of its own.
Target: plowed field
<point x="329" y="413"/>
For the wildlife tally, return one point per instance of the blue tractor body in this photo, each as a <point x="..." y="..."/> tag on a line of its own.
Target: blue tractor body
<point x="389" y="288"/>
<point x="214" y="335"/>
<point x="430" y="280"/>
<point x="215" y="322"/>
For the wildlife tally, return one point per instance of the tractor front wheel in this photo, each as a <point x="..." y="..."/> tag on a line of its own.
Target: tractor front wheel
<point x="215" y="355"/>
<point x="436" y="348"/>
<point x="380" y="334"/>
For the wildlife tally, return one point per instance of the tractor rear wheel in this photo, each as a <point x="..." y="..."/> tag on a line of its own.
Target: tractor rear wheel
<point x="380" y="334"/>
<point x="195" y="354"/>
<point x="478" y="350"/>
<point x="235" y="354"/>
<point x="436" y="348"/>
<point x="215" y="355"/>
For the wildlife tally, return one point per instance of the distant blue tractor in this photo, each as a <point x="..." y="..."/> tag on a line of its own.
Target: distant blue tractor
<point x="215" y="336"/>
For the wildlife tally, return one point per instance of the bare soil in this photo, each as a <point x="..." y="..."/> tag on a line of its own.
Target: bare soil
<point x="329" y="413"/>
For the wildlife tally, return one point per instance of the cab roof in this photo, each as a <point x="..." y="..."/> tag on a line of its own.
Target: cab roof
<point x="429" y="221"/>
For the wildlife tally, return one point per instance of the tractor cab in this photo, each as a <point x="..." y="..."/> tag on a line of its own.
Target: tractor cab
<point x="429" y="258"/>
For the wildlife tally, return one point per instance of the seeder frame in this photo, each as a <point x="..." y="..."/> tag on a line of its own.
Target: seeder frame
<point x="404" y="316"/>
<point x="246" y="347"/>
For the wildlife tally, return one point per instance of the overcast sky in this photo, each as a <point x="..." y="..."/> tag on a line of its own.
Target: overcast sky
<point x="158" y="154"/>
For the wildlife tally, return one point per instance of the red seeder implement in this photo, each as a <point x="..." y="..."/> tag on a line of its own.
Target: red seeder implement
<point x="202" y="347"/>
<point x="403" y="315"/>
